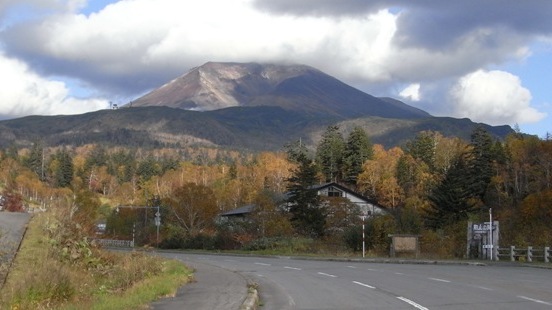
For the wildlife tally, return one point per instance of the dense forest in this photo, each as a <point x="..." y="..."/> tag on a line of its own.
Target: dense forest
<point x="431" y="186"/>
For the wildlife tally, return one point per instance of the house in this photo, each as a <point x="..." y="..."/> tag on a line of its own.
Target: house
<point x="367" y="206"/>
<point x="238" y="214"/>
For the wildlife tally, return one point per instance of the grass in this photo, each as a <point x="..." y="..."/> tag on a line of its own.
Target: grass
<point x="57" y="268"/>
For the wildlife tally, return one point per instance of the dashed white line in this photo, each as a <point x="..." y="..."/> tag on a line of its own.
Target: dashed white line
<point x="327" y="275"/>
<point x="536" y="300"/>
<point x="439" y="280"/>
<point x="364" y="284"/>
<point x="292" y="268"/>
<point x="410" y="302"/>
<point x="399" y="273"/>
<point x="483" y="288"/>
<point x="353" y="267"/>
<point x="263" y="264"/>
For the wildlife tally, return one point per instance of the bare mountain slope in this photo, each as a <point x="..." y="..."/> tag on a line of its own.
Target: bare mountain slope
<point x="301" y="88"/>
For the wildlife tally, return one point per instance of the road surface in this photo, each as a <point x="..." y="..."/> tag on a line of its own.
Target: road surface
<point x="286" y="283"/>
<point x="12" y="227"/>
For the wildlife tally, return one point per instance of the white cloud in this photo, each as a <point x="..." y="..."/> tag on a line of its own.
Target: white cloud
<point x="159" y="39"/>
<point x="411" y="92"/>
<point x="494" y="97"/>
<point x="131" y="46"/>
<point x="26" y="93"/>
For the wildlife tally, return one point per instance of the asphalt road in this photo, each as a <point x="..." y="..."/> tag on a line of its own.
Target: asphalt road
<point x="286" y="283"/>
<point x="12" y="227"/>
<point x="213" y="288"/>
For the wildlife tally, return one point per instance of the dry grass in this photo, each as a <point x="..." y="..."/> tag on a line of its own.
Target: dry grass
<point x="57" y="268"/>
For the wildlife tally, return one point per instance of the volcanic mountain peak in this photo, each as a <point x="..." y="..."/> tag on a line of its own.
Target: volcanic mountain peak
<point x="216" y="85"/>
<point x="299" y="88"/>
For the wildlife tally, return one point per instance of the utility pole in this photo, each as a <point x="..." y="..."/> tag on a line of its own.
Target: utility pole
<point x="491" y="233"/>
<point x="363" y="238"/>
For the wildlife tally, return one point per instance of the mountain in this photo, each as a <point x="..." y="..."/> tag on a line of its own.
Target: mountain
<point x="297" y="88"/>
<point x="243" y="106"/>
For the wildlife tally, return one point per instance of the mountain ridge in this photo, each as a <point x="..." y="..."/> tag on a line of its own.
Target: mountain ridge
<point x="244" y="106"/>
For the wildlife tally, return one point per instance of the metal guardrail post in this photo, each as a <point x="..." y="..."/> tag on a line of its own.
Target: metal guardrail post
<point x="512" y="253"/>
<point x="530" y="254"/>
<point x="546" y="254"/>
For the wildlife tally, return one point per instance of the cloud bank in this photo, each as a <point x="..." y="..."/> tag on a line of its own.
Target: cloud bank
<point x="25" y="93"/>
<point x="493" y="97"/>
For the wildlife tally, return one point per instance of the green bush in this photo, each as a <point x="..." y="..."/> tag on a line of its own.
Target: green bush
<point x="353" y="238"/>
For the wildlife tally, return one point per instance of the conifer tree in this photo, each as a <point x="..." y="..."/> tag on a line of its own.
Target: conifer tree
<point x="35" y="161"/>
<point x="450" y="199"/>
<point x="329" y="154"/>
<point x="63" y="168"/>
<point x="358" y="149"/>
<point x="423" y="148"/>
<point x="481" y="162"/>
<point x="307" y="215"/>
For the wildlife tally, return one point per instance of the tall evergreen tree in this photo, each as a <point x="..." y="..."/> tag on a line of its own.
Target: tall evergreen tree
<point x="35" y="161"/>
<point x="450" y="201"/>
<point x="423" y="148"/>
<point x="148" y="168"/>
<point x="329" y="154"/>
<point x="63" y="169"/>
<point x="123" y="165"/>
<point x="98" y="157"/>
<point x="481" y="162"/>
<point x="307" y="215"/>
<point x="358" y="149"/>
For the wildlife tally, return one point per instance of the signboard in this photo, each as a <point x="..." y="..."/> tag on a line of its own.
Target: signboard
<point x="482" y="228"/>
<point x="404" y="243"/>
<point x="480" y="243"/>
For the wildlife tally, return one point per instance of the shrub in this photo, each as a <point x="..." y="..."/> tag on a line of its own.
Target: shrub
<point x="353" y="238"/>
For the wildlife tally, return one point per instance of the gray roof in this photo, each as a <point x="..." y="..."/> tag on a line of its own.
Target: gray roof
<point x="239" y="211"/>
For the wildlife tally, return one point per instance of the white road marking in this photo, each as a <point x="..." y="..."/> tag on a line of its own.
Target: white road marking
<point x="363" y="284"/>
<point x="263" y="264"/>
<point x="229" y="260"/>
<point x="292" y="268"/>
<point x="327" y="275"/>
<point x="536" y="300"/>
<point x="399" y="273"/>
<point x="439" y="280"/>
<point x="410" y="302"/>
<point x="351" y="267"/>
<point x="483" y="288"/>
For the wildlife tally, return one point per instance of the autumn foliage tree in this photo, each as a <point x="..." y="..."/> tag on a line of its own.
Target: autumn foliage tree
<point x="192" y="207"/>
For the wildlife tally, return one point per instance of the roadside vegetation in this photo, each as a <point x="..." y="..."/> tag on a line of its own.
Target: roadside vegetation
<point x="430" y="186"/>
<point x="59" y="267"/>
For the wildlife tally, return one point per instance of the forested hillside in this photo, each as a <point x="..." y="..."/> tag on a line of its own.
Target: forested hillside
<point x="432" y="186"/>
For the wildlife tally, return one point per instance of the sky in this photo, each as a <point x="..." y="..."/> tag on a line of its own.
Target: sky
<point x="490" y="61"/>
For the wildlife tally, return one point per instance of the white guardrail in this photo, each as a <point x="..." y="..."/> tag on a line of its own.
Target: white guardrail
<point x="528" y="254"/>
<point x="115" y="243"/>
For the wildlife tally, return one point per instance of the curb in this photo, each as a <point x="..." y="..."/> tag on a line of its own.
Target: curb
<point x="251" y="302"/>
